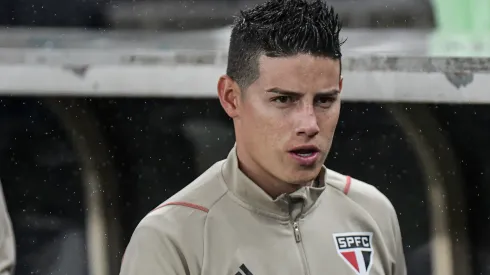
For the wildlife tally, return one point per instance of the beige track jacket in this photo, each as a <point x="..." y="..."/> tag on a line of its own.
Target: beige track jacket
<point x="7" y="243"/>
<point x="224" y="224"/>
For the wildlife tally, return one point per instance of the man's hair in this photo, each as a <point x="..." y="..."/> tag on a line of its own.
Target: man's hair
<point x="281" y="28"/>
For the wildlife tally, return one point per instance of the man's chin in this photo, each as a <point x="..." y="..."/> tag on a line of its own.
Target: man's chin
<point x="304" y="177"/>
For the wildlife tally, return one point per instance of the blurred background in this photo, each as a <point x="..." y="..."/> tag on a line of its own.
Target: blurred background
<point x="187" y="14"/>
<point x="85" y="155"/>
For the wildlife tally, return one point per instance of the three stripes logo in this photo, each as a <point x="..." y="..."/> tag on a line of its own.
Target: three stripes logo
<point x="244" y="271"/>
<point x="356" y="249"/>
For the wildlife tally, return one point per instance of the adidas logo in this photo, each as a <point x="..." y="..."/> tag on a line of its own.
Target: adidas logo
<point x="244" y="271"/>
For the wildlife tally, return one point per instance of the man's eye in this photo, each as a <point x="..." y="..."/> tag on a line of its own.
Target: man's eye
<point x="282" y="99"/>
<point x="325" y="101"/>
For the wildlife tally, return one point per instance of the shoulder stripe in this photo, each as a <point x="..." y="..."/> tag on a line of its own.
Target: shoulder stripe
<point x="185" y="204"/>
<point x="347" y="185"/>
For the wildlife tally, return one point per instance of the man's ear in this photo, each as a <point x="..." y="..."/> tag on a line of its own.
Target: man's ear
<point x="228" y="93"/>
<point x="341" y="83"/>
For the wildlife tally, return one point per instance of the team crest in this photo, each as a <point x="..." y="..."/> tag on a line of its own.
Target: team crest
<point x="356" y="249"/>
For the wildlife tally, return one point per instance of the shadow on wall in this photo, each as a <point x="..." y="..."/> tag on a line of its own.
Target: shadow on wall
<point x="41" y="180"/>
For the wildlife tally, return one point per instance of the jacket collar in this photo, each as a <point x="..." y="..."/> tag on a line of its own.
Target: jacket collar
<point x="286" y="206"/>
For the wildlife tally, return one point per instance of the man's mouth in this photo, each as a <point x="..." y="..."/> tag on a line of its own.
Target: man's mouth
<point x="305" y="155"/>
<point x="305" y="152"/>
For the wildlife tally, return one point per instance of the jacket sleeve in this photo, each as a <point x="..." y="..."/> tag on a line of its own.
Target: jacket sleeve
<point x="400" y="267"/>
<point x="7" y="241"/>
<point x="152" y="251"/>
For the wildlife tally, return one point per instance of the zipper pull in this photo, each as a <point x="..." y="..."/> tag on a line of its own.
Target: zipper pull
<point x="297" y="234"/>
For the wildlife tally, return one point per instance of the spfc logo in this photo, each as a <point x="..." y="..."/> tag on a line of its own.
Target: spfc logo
<point x="356" y="249"/>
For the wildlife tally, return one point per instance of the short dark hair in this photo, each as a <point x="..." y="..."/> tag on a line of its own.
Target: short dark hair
<point x="281" y="28"/>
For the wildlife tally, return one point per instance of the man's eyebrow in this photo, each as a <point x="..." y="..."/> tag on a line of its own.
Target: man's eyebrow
<point x="333" y="92"/>
<point x="283" y="92"/>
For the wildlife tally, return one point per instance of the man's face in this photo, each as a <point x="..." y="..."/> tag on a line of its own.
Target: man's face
<point x="285" y="120"/>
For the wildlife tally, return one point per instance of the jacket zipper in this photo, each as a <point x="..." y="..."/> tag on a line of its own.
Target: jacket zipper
<point x="297" y="233"/>
<point x="299" y="243"/>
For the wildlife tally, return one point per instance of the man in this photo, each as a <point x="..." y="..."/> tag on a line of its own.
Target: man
<point x="272" y="207"/>
<point x="7" y="244"/>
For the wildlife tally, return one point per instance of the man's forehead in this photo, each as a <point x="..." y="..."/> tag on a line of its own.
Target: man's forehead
<point x="334" y="91"/>
<point x="303" y="64"/>
<point x="299" y="73"/>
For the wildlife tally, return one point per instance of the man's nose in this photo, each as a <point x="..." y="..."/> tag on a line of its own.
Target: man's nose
<point x="307" y="122"/>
